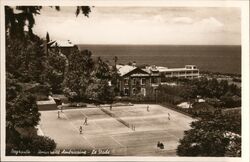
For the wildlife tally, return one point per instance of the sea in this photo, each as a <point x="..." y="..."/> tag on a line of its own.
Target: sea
<point x="213" y="58"/>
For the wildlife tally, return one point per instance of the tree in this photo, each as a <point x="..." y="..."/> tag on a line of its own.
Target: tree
<point x="79" y="73"/>
<point x="229" y="100"/>
<point x="200" y="143"/>
<point x="26" y="63"/>
<point x="211" y="88"/>
<point x="100" y="91"/>
<point x="223" y="87"/>
<point x="15" y="22"/>
<point x="234" y="89"/>
<point x="56" y="69"/>
<point x="21" y="116"/>
<point x="47" y="37"/>
<point x="25" y="58"/>
<point x="42" y="143"/>
<point x="100" y="88"/>
<point x="115" y="77"/>
<point x="115" y="60"/>
<point x="212" y="136"/>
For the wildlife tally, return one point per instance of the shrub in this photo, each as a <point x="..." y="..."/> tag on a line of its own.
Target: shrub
<point x="42" y="143"/>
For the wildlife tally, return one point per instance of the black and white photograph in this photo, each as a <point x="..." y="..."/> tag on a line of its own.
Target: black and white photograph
<point x="131" y="81"/>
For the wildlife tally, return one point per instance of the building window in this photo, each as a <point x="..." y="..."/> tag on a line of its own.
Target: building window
<point x="154" y="80"/>
<point x="126" y="81"/>
<point x="163" y="79"/>
<point x="195" y="72"/>
<point x="143" y="91"/>
<point x="126" y="91"/>
<point x="143" y="81"/>
<point x="168" y="74"/>
<point x="134" y="91"/>
<point x="175" y="74"/>
<point x="134" y="81"/>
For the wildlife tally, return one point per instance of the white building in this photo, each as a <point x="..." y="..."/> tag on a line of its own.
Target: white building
<point x="134" y="79"/>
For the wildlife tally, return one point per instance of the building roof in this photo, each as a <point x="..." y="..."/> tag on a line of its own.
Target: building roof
<point x="165" y="69"/>
<point x="60" y="43"/>
<point x="162" y="69"/>
<point x="46" y="102"/>
<point x="124" y="69"/>
<point x="184" y="105"/>
<point x="175" y="69"/>
<point x="152" y="70"/>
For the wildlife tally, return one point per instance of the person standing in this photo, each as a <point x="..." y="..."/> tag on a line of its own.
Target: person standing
<point x="80" y="129"/>
<point x="147" y="108"/>
<point x="158" y="144"/>
<point x="85" y="121"/>
<point x="58" y="114"/>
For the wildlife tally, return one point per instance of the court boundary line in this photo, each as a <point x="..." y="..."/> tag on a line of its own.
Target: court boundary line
<point x="121" y="145"/>
<point x="90" y="144"/>
<point x="98" y="126"/>
<point x="114" y="137"/>
<point x="118" y="142"/>
<point x="84" y="114"/>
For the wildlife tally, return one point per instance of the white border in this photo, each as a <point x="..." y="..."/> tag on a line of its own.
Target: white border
<point x="244" y="5"/>
<point x="245" y="81"/>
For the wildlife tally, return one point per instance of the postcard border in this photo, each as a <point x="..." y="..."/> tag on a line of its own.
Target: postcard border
<point x="244" y="5"/>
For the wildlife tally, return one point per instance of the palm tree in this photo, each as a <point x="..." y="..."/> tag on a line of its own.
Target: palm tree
<point x="115" y="59"/>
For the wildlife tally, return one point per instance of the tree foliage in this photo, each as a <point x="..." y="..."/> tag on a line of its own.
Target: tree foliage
<point x="21" y="118"/>
<point x="79" y="73"/>
<point x="88" y="79"/>
<point x="19" y="17"/>
<point x="28" y="64"/>
<point x="214" y="136"/>
<point x="26" y="58"/>
<point x="100" y="88"/>
<point x="56" y="69"/>
<point x="42" y="143"/>
<point x="221" y="92"/>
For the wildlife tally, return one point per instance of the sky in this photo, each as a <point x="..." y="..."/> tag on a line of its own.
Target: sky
<point x="143" y="25"/>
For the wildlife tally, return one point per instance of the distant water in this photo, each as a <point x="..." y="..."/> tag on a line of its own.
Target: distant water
<point x="224" y="59"/>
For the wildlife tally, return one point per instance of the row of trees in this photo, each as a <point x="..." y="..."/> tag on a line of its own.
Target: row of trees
<point x="26" y="66"/>
<point x="28" y="70"/>
<point x="220" y="93"/>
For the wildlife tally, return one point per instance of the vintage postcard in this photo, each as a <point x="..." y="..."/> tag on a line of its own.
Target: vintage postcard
<point x="125" y="81"/>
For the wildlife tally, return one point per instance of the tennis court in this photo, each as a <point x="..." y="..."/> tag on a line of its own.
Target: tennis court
<point x="112" y="129"/>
